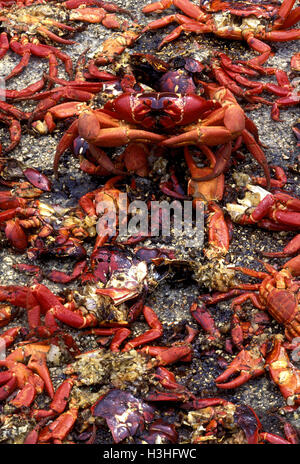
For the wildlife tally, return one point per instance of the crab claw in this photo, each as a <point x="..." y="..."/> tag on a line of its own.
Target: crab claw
<point x="293" y="265"/>
<point x="218" y="236"/>
<point x="167" y="396"/>
<point x="37" y="179"/>
<point x="202" y="315"/>
<point x="156" y="330"/>
<point x="102" y="130"/>
<point x="248" y="364"/>
<point x="16" y="235"/>
<point x="37" y="354"/>
<point x="9" y="336"/>
<point x="8" y="384"/>
<point x="60" y="428"/>
<point x="168" y="355"/>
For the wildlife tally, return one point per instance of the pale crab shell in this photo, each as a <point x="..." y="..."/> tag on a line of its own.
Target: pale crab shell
<point x="252" y="198"/>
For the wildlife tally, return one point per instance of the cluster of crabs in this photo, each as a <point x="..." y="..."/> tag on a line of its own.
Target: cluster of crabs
<point x="135" y="122"/>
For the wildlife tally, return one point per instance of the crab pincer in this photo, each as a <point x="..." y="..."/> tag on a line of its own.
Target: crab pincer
<point x="248" y="364"/>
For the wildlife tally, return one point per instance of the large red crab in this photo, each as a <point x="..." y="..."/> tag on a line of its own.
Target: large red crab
<point x="129" y="117"/>
<point x="231" y="20"/>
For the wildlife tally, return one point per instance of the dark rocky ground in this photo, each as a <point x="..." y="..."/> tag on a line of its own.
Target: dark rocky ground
<point x="172" y="298"/>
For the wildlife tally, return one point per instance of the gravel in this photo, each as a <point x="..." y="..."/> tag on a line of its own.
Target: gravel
<point x="172" y="298"/>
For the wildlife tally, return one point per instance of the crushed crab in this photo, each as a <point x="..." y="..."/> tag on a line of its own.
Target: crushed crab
<point x="123" y="370"/>
<point x="200" y="420"/>
<point x="101" y="306"/>
<point x="253" y="197"/>
<point x="214" y="275"/>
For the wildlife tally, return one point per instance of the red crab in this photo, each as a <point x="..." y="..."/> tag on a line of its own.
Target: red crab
<point x="181" y="75"/>
<point x="23" y="377"/>
<point x="252" y="361"/>
<point x="276" y="287"/>
<point x="273" y="211"/>
<point x="221" y="122"/>
<point x="235" y="21"/>
<point x="235" y="77"/>
<point x="19" y="207"/>
<point x="26" y="24"/>
<point x="279" y="296"/>
<point x="217" y="419"/>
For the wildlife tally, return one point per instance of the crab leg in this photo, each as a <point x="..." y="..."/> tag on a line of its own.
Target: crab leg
<point x="155" y="332"/>
<point x="283" y="13"/>
<point x="4" y="44"/>
<point x="60" y="428"/>
<point x="22" y="49"/>
<point x="257" y="153"/>
<point x="59" y="54"/>
<point x="119" y="336"/>
<point x="290" y="249"/>
<point x="273" y="438"/>
<point x="248" y="364"/>
<point x="221" y="160"/>
<point x="46" y="33"/>
<point x="292" y="19"/>
<point x="203" y="317"/>
<point x="257" y="45"/>
<point x="166" y="356"/>
<point x="24" y="93"/>
<point x="64" y="143"/>
<point x="14" y="131"/>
